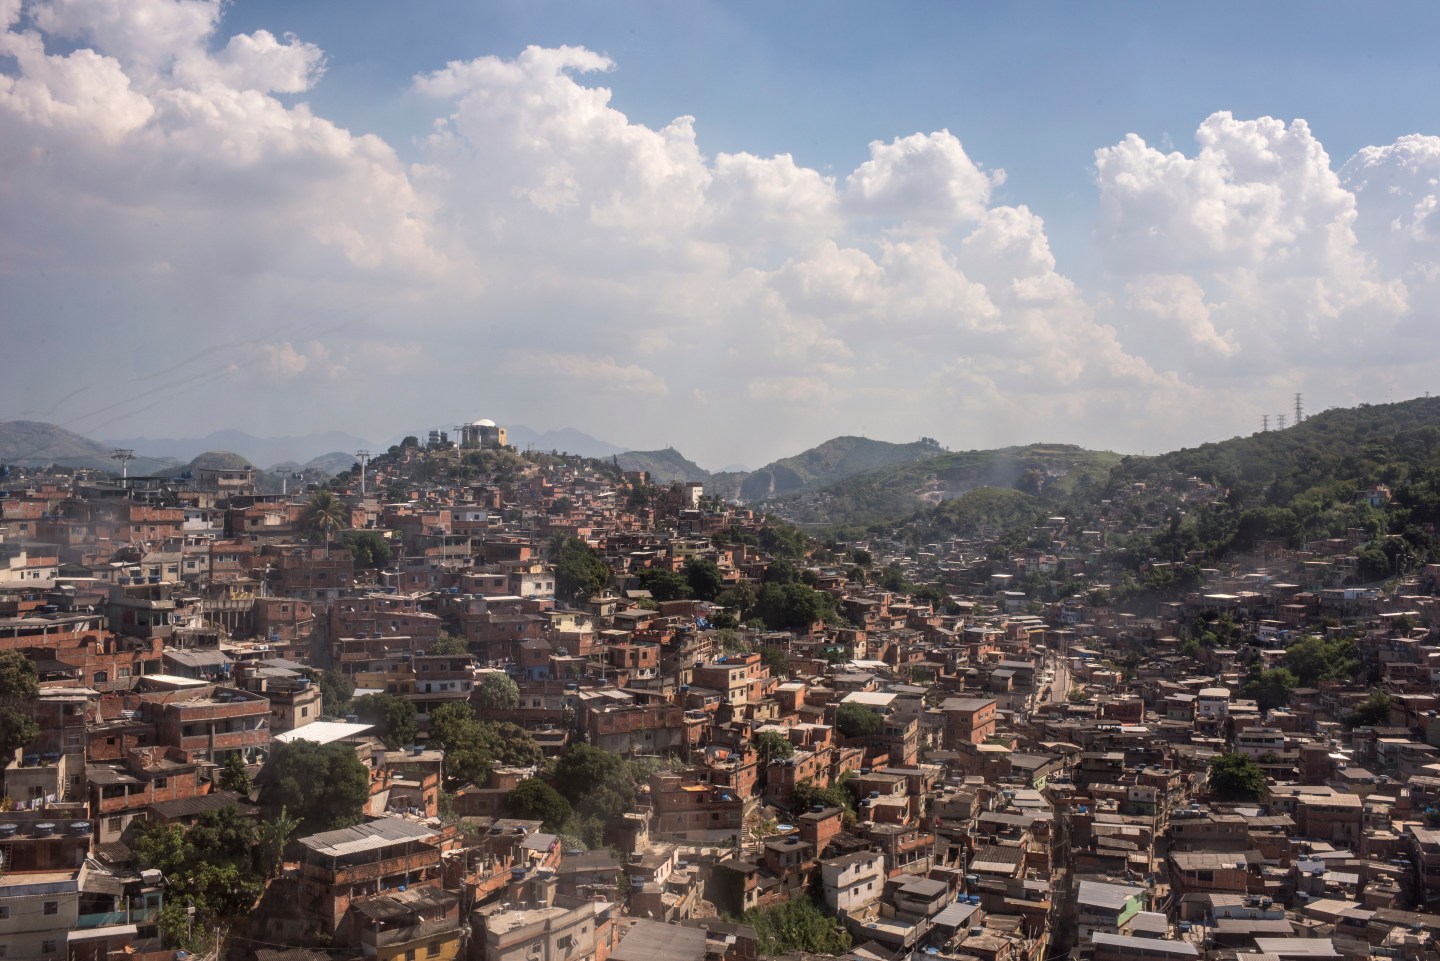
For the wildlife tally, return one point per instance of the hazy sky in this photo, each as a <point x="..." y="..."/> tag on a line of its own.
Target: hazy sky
<point x="736" y="228"/>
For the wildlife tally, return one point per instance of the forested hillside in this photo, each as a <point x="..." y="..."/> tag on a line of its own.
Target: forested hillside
<point x="1371" y="468"/>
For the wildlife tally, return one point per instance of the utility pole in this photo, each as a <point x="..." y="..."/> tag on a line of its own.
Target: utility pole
<point x="364" y="457"/>
<point x="124" y="457"/>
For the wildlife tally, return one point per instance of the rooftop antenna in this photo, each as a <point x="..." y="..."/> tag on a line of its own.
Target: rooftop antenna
<point x="1299" y="410"/>
<point x="364" y="457"/>
<point x="124" y="457"/>
<point x="1264" y="423"/>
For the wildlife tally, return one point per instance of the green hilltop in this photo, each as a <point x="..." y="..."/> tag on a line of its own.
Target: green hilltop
<point x="834" y="460"/>
<point x="919" y="491"/>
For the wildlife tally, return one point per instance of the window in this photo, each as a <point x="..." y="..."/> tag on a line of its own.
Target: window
<point x="304" y="712"/>
<point x="47" y="947"/>
<point x="160" y="783"/>
<point x="114" y="824"/>
<point x="50" y="907"/>
<point x="433" y="951"/>
<point x="4" y="912"/>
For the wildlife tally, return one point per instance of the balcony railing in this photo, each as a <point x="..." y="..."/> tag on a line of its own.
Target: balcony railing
<point x="104" y="919"/>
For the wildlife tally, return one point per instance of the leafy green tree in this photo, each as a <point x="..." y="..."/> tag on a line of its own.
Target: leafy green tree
<point x="775" y="659"/>
<point x="807" y="794"/>
<point x="583" y="767"/>
<point x="740" y="599"/>
<point x="473" y="747"/>
<point x="371" y="549"/>
<point x="782" y="539"/>
<point x="1374" y="711"/>
<point x="394" y="718"/>
<point x="793" y="606"/>
<point x="940" y="601"/>
<point x="892" y="578"/>
<point x="336" y="690"/>
<point x="450" y="723"/>
<point x="497" y="692"/>
<point x="211" y="867"/>
<point x="271" y="837"/>
<point x="773" y="746"/>
<point x="234" y="776"/>
<point x="1235" y="777"/>
<point x="704" y="578"/>
<point x="324" y="515"/>
<point x="861" y="557"/>
<point x="1270" y="688"/>
<point x="598" y="784"/>
<point x="448" y="643"/>
<point x="324" y="786"/>
<point x="857" y="720"/>
<point x="664" y="584"/>
<point x="724" y="619"/>
<point x="795" y="926"/>
<point x="729" y="642"/>
<point x="579" y="571"/>
<point x="19" y="690"/>
<point x="1316" y="659"/>
<point x="781" y="571"/>
<point x="533" y="798"/>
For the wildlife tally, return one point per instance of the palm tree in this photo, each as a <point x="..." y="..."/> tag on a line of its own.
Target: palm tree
<point x="325" y="514"/>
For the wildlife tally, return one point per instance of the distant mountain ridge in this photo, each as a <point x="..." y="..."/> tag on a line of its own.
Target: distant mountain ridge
<point x="667" y="466"/>
<point x="567" y="440"/>
<point x="261" y="451"/>
<point x="834" y="460"/>
<point x="35" y="444"/>
<point x="889" y="494"/>
<point x="824" y="464"/>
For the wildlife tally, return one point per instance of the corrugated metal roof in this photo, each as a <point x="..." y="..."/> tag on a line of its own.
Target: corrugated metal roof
<point x="371" y="836"/>
<point x="1146" y="945"/>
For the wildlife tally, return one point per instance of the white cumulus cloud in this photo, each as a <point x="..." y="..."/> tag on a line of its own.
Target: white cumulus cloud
<point x="547" y="257"/>
<point x="923" y="180"/>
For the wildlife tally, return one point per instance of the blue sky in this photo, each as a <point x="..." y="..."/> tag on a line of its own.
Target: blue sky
<point x="1034" y="88"/>
<point x="1132" y="226"/>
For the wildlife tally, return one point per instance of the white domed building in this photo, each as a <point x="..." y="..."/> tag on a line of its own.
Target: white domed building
<point x="483" y="433"/>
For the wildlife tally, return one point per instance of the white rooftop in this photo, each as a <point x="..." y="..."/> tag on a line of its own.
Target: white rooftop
<point x="324" y="732"/>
